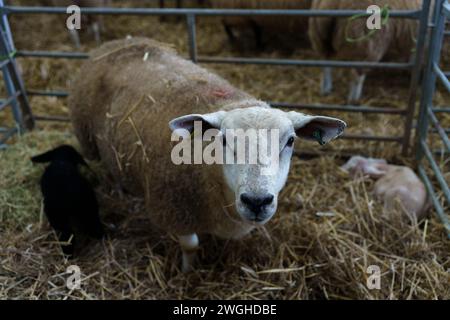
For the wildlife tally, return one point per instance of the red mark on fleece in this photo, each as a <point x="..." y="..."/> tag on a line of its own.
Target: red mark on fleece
<point x="222" y="92"/>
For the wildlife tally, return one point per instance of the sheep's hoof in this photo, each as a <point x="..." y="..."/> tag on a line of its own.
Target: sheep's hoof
<point x="189" y="246"/>
<point x="353" y="100"/>
<point x="356" y="89"/>
<point x="326" y="88"/>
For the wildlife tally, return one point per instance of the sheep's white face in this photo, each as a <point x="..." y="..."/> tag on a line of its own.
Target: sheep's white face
<point x="266" y="135"/>
<point x="270" y="134"/>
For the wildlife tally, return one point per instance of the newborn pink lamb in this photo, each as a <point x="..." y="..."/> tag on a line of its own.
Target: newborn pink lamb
<point x="395" y="184"/>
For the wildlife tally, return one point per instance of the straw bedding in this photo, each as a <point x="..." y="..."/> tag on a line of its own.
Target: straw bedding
<point x="326" y="233"/>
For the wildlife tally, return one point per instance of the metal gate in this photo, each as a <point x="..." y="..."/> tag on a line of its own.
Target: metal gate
<point x="435" y="173"/>
<point x="16" y="98"/>
<point x="414" y="67"/>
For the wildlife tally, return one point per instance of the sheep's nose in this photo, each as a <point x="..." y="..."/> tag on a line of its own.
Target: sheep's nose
<point x="256" y="203"/>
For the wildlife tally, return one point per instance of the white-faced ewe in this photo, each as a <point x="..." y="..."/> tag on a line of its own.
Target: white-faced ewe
<point x="70" y="203"/>
<point x="292" y="25"/>
<point x="93" y="22"/>
<point x="121" y="105"/>
<point x="349" y="39"/>
<point x="395" y="185"/>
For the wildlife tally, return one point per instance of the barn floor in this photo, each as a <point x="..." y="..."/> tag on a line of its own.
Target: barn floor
<point x="326" y="233"/>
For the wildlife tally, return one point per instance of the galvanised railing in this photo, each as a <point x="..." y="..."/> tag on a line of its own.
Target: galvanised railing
<point x="16" y="98"/>
<point x="191" y="15"/>
<point x="430" y="170"/>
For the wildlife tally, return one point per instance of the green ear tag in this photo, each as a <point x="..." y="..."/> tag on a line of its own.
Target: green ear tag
<point x="317" y="134"/>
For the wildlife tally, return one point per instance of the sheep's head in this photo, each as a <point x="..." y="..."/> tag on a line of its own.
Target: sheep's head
<point x="64" y="153"/>
<point x="255" y="145"/>
<point x="374" y="168"/>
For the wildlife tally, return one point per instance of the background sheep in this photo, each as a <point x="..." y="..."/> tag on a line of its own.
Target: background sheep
<point x="294" y="26"/>
<point x="180" y="4"/>
<point x="329" y="38"/>
<point x="70" y="203"/>
<point x="94" y="22"/>
<point x="394" y="183"/>
<point x="121" y="105"/>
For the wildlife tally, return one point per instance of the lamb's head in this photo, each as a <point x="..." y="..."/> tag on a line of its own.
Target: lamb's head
<point x="374" y="168"/>
<point x="256" y="146"/>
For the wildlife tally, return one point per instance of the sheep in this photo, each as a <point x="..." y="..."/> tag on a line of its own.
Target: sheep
<point x="120" y="106"/>
<point x="70" y="203"/>
<point x="94" y="22"/>
<point x="394" y="183"/>
<point x="181" y="4"/>
<point x="329" y="37"/>
<point x="258" y="24"/>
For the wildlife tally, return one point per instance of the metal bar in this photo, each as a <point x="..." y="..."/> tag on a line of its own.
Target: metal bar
<point x="8" y="134"/>
<point x="404" y="14"/>
<point x="447" y="131"/>
<point x="13" y="95"/>
<point x="432" y="194"/>
<point x="439" y="129"/>
<point x="9" y="84"/>
<point x="439" y="110"/>
<point x="44" y="93"/>
<point x="323" y="107"/>
<point x="238" y="60"/>
<point x="20" y="107"/>
<point x="7" y="28"/>
<point x="439" y="176"/>
<point x="429" y="80"/>
<point x="3" y="63"/>
<point x="9" y="100"/>
<point x="319" y="107"/>
<point x="370" y="138"/>
<point x="441" y="76"/>
<point x="308" y="63"/>
<point x="415" y="76"/>
<point x="52" y="118"/>
<point x="446" y="9"/>
<point x="192" y="37"/>
<point x="52" y="54"/>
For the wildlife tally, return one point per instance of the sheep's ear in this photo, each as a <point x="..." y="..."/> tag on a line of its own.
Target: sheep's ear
<point x="45" y="157"/>
<point x="209" y="121"/>
<point x="316" y="128"/>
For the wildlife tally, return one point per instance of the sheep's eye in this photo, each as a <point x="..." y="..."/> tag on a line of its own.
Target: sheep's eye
<point x="290" y="142"/>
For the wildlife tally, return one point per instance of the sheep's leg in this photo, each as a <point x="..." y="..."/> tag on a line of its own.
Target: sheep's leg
<point x="67" y="242"/>
<point x="75" y="38"/>
<point x="356" y="88"/>
<point x="326" y="83"/>
<point x="162" y="5"/>
<point x="179" y="5"/>
<point x="230" y="33"/>
<point x="189" y="246"/>
<point x="258" y="35"/>
<point x="96" y="31"/>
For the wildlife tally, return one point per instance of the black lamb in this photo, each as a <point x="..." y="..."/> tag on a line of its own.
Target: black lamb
<point x="70" y="203"/>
